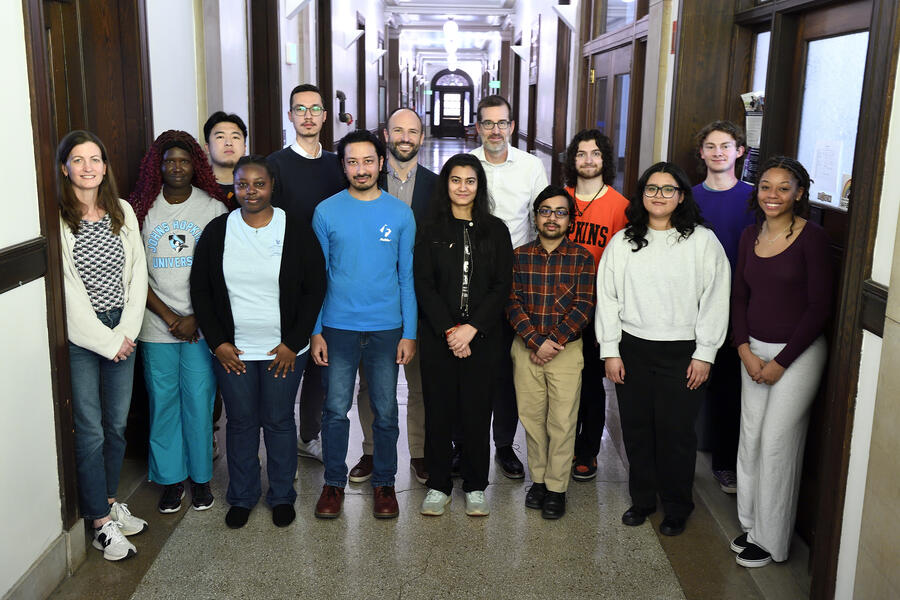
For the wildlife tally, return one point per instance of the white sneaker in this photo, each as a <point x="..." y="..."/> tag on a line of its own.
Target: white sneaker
<point x="434" y="503"/>
<point x="128" y="523"/>
<point x="310" y="449"/>
<point x="476" y="504"/>
<point x="109" y="538"/>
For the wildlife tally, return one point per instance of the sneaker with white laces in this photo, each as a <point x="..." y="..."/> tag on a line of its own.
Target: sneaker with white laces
<point x="476" y="504"/>
<point x="110" y="540"/>
<point x="311" y="449"/>
<point x="434" y="503"/>
<point x="128" y="523"/>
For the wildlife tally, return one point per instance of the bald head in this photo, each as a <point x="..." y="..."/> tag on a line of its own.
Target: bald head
<point x="404" y="135"/>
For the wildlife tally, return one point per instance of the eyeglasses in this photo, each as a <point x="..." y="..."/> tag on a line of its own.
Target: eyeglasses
<point x="561" y="213"/>
<point x="491" y="124"/>
<point x="300" y="110"/>
<point x="667" y="190"/>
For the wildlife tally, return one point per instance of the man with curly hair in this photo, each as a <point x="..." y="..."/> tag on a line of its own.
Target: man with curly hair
<point x="599" y="214"/>
<point x="175" y="197"/>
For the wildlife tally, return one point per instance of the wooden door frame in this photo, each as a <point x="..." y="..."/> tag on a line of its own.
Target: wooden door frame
<point x="264" y="35"/>
<point x="323" y="68"/>
<point x="361" y="73"/>
<point x="560" y="102"/>
<point x="516" y="94"/>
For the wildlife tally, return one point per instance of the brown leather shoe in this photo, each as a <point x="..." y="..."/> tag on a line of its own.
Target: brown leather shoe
<point x="330" y="502"/>
<point x="386" y="503"/>
<point x="418" y="468"/>
<point x="362" y="470"/>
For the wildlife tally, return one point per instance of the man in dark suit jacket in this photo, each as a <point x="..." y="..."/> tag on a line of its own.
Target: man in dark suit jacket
<point x="414" y="184"/>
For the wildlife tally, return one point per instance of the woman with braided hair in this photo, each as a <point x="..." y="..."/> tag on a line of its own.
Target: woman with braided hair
<point x="780" y="302"/>
<point x="176" y="195"/>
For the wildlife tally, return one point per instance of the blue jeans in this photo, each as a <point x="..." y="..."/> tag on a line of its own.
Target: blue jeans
<point x="252" y="400"/>
<point x="377" y="351"/>
<point x="181" y="388"/>
<point x="101" y="397"/>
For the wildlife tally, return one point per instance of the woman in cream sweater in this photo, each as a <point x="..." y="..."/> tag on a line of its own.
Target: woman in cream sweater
<point x="105" y="279"/>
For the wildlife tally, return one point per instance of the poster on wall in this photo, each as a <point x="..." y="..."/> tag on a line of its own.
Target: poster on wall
<point x="754" y="105"/>
<point x="535" y="51"/>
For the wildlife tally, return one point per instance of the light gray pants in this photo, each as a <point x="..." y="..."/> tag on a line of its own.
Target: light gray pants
<point x="770" y="453"/>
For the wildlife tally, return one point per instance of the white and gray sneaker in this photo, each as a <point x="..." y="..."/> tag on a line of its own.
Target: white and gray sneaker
<point x="128" y="523"/>
<point x="311" y="449"/>
<point x="434" y="503"/>
<point x="110" y="540"/>
<point x="476" y="504"/>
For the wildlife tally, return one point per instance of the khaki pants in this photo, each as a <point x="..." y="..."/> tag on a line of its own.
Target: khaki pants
<point x="548" y="398"/>
<point x="415" y="410"/>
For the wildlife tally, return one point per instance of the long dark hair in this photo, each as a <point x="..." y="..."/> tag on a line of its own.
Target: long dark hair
<point x="608" y="171"/>
<point x="107" y="193"/>
<point x="481" y="206"/>
<point x="150" y="181"/>
<point x="798" y="171"/>
<point x="685" y="218"/>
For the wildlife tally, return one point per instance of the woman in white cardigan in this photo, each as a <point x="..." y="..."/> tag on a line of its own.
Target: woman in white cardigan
<point x="105" y="278"/>
<point x="662" y="312"/>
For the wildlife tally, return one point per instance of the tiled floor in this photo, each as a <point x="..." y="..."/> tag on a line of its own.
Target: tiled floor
<point x="513" y="553"/>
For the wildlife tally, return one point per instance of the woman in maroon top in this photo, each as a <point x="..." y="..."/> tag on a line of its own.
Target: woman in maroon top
<point x="780" y="302"/>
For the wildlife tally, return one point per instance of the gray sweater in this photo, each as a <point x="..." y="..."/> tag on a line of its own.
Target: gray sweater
<point x="669" y="290"/>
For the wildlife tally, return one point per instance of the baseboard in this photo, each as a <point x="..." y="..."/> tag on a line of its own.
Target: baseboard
<point x="62" y="557"/>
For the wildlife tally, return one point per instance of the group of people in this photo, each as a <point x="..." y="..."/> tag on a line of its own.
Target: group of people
<point x="505" y="299"/>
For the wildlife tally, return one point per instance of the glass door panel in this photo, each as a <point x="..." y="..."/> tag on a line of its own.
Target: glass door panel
<point x="619" y="130"/>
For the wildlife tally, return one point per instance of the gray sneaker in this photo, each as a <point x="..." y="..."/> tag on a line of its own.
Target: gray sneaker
<point x="476" y="504"/>
<point x="128" y="523"/>
<point x="434" y="503"/>
<point x="110" y="540"/>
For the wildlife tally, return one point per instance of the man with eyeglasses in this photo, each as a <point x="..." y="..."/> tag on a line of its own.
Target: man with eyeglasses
<point x="409" y="181"/>
<point x="306" y="174"/>
<point x="549" y="305"/>
<point x="514" y="179"/>
<point x="599" y="213"/>
<point x="722" y="199"/>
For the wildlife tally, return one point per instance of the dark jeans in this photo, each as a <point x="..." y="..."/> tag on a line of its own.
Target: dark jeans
<point x="457" y="395"/>
<point x="312" y="400"/>
<point x="724" y="400"/>
<point x="592" y="410"/>
<point x="259" y="399"/>
<point x="101" y="397"/>
<point x="658" y="412"/>
<point x="377" y="351"/>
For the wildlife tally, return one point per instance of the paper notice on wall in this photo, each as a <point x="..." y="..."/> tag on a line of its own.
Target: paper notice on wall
<point x="826" y="171"/>
<point x="754" y="129"/>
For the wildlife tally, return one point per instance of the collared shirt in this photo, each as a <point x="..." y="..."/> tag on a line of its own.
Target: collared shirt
<point x="399" y="188"/>
<point x="296" y="147"/>
<point x="512" y="188"/>
<point x="552" y="293"/>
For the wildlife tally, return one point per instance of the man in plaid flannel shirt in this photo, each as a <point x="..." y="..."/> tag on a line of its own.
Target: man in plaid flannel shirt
<point x="549" y="305"/>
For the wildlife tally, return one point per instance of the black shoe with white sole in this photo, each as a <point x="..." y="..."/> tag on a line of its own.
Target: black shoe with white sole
<point x="753" y="556"/>
<point x="739" y="543"/>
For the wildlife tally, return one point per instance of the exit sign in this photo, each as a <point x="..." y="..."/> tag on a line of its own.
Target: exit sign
<point x="494" y="84"/>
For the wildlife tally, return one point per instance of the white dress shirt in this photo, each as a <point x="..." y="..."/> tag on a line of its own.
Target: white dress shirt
<point x="512" y="187"/>
<point x="296" y="147"/>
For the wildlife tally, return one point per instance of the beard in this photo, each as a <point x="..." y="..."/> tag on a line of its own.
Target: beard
<point x="362" y="187"/>
<point x="589" y="172"/>
<point x="399" y="155"/>
<point x="555" y="234"/>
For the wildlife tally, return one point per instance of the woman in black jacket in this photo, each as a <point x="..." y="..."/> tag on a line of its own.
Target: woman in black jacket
<point x="463" y="272"/>
<point x="257" y="284"/>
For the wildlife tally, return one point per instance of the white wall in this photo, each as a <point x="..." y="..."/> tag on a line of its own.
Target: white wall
<point x="235" y="67"/>
<point x="343" y="18"/>
<point x="30" y="503"/>
<point x="298" y="29"/>
<point x="174" y="81"/>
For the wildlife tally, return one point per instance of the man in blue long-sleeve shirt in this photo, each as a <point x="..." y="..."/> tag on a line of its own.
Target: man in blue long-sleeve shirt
<point x="368" y="318"/>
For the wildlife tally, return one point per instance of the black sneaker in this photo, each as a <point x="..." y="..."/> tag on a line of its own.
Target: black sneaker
<point x="584" y="470"/>
<point x="201" y="496"/>
<point x="535" y="496"/>
<point x="753" y="556"/>
<point x="509" y="462"/>
<point x="739" y="543"/>
<point x="170" y="502"/>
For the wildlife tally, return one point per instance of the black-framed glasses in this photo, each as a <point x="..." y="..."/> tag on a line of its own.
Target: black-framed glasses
<point x="491" y="124"/>
<point x="561" y="213"/>
<point x="667" y="191"/>
<point x="300" y="110"/>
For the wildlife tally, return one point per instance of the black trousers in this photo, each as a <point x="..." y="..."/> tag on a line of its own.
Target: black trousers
<point x="457" y="394"/>
<point x="506" y="412"/>
<point x="592" y="410"/>
<point x="658" y="412"/>
<point x="724" y="400"/>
